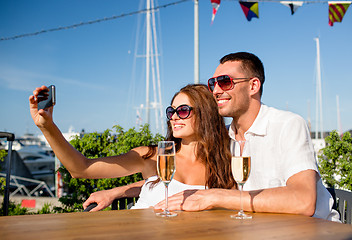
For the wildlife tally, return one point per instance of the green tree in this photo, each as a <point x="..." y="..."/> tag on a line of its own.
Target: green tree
<point x="94" y="145"/>
<point x="335" y="163"/>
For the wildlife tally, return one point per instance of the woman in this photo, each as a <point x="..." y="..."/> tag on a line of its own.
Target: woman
<point x="202" y="154"/>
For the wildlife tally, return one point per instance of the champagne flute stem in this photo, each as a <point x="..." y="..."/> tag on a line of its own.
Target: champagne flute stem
<point x="241" y="202"/>
<point x="166" y="198"/>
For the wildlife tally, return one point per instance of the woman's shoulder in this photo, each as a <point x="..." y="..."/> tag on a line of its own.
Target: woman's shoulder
<point x="146" y="152"/>
<point x="141" y="149"/>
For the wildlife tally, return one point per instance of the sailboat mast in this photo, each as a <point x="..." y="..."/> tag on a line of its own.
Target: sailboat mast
<point x="156" y="55"/>
<point x="319" y="104"/>
<point x="196" y="42"/>
<point x="152" y="70"/>
<point x="147" y="62"/>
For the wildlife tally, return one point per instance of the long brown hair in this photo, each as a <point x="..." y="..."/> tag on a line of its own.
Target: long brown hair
<point x="213" y="139"/>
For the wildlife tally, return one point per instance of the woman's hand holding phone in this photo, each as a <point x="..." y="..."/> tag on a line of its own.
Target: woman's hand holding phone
<point x="46" y="98"/>
<point x="41" y="105"/>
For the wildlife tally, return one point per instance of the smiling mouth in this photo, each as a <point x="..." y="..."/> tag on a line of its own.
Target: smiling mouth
<point x="222" y="101"/>
<point x="178" y="126"/>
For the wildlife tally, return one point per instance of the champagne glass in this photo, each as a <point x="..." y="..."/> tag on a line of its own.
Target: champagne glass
<point x="166" y="167"/>
<point x="241" y="167"/>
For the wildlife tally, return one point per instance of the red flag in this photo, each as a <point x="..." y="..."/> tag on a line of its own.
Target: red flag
<point x="216" y="5"/>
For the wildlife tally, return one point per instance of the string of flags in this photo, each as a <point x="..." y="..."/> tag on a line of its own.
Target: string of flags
<point x="337" y="9"/>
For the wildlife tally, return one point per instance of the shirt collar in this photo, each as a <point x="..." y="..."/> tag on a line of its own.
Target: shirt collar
<point x="259" y="126"/>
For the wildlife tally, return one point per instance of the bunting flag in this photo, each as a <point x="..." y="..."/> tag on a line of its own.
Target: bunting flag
<point x="250" y="9"/>
<point x="293" y="5"/>
<point x="216" y="5"/>
<point x="337" y="10"/>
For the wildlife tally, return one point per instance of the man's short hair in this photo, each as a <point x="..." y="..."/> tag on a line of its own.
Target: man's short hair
<point x="251" y="65"/>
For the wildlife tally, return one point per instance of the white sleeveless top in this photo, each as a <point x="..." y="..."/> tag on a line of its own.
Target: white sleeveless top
<point x="151" y="196"/>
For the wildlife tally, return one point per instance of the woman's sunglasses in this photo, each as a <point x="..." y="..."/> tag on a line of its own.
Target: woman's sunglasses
<point x="225" y="82"/>
<point x="182" y="111"/>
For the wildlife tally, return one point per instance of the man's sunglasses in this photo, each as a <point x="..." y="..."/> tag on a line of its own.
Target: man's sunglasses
<point x="182" y="111"/>
<point x="225" y="82"/>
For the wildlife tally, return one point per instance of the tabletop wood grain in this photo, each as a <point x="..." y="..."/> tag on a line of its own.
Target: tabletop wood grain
<point x="143" y="224"/>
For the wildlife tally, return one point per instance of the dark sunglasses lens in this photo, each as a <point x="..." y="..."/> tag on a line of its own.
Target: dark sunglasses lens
<point x="169" y="112"/>
<point x="183" y="112"/>
<point x="211" y="84"/>
<point x="224" y="82"/>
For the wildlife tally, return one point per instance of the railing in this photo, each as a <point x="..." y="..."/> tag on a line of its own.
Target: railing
<point x="14" y="181"/>
<point x="123" y="203"/>
<point x="343" y="203"/>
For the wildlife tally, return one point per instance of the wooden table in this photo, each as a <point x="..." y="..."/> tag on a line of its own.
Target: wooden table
<point x="143" y="224"/>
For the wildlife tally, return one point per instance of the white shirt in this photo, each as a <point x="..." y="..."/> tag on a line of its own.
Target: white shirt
<point x="280" y="146"/>
<point x="150" y="196"/>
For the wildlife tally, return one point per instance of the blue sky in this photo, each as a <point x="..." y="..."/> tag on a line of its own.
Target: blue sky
<point x="100" y="82"/>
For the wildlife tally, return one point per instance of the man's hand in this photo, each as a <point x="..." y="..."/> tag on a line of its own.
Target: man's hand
<point x="103" y="198"/>
<point x="297" y="197"/>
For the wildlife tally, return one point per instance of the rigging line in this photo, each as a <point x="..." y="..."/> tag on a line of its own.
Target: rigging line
<point x="89" y="22"/>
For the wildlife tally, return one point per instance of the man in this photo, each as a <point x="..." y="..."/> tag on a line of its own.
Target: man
<point x="284" y="176"/>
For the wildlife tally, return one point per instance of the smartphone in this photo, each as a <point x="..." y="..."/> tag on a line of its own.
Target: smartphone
<point x="47" y="98"/>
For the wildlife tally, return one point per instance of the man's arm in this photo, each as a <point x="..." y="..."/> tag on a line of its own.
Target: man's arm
<point x="105" y="198"/>
<point x="297" y="197"/>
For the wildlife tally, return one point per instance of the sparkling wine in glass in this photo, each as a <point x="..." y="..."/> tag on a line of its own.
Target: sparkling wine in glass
<point x="166" y="167"/>
<point x="241" y="167"/>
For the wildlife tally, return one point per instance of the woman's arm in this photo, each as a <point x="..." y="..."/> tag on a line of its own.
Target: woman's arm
<point x="78" y="165"/>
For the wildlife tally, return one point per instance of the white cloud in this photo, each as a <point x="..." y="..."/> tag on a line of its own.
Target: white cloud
<point x="24" y="80"/>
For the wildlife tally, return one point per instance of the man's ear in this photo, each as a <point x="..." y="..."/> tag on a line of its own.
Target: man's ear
<point x="255" y="86"/>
